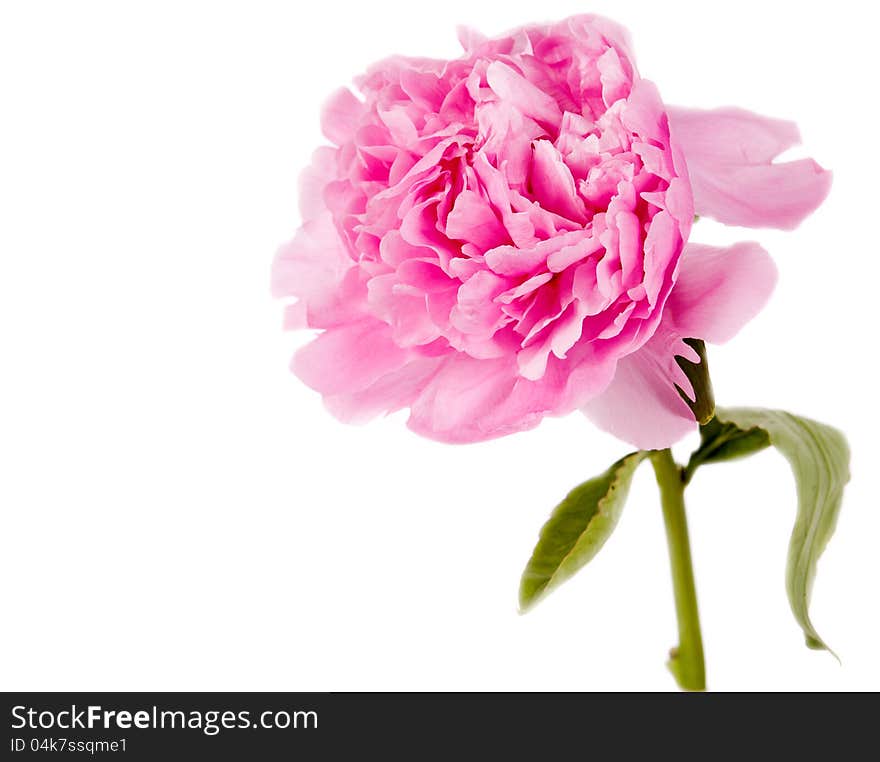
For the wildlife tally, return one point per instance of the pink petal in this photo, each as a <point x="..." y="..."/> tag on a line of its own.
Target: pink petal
<point x="473" y="400"/>
<point x="453" y="406"/>
<point x="296" y="316"/>
<point x="512" y="260"/>
<point x="312" y="181"/>
<point x="729" y="154"/>
<point x="427" y="276"/>
<point x="406" y="312"/>
<point x="568" y="255"/>
<point x="583" y="26"/>
<point x="515" y="89"/>
<point x="470" y="39"/>
<point x="476" y="311"/>
<point x="615" y="81"/>
<point x="552" y="183"/>
<point x="473" y="220"/>
<point x="641" y="404"/>
<point x="586" y="289"/>
<point x="393" y="391"/>
<point x="719" y="290"/>
<point x="661" y="243"/>
<point x="425" y="88"/>
<point x="349" y="358"/>
<point x="340" y="118"/>
<point x="643" y="113"/>
<point x="313" y="264"/>
<point x="532" y="360"/>
<point x="315" y="267"/>
<point x="526" y="287"/>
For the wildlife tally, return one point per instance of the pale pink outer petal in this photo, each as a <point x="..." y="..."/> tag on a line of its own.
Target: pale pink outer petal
<point x="389" y="393"/>
<point x="313" y="263"/>
<point x="315" y="268"/>
<point x="356" y="364"/>
<point x="641" y="404"/>
<point x="613" y="32"/>
<point x="718" y="291"/>
<point x="471" y="400"/>
<point x="339" y="119"/>
<point x="470" y="39"/>
<point x="454" y="407"/>
<point x="312" y="181"/>
<point x="349" y="358"/>
<point x="361" y="372"/>
<point x="729" y="154"/>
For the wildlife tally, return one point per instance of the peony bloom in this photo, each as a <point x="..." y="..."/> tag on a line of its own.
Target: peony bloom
<point x="506" y="235"/>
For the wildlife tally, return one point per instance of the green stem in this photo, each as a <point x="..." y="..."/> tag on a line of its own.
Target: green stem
<point x="685" y="661"/>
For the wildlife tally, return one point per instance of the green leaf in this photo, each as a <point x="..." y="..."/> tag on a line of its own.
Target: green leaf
<point x="703" y="403"/>
<point x="819" y="457"/>
<point x="720" y="441"/>
<point x="577" y="529"/>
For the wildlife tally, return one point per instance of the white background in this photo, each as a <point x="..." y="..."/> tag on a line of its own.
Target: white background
<point x="179" y="512"/>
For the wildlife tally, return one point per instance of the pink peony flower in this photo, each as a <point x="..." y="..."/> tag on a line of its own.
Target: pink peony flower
<point x="504" y="236"/>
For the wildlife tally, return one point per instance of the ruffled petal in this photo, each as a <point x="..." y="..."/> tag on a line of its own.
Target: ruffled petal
<point x="729" y="154"/>
<point x="312" y="181"/>
<point x="553" y="184"/>
<point x="511" y="87"/>
<point x="339" y="119"/>
<point x="361" y="372"/>
<point x="315" y="267"/>
<point x="473" y="220"/>
<point x="471" y="400"/>
<point x="349" y="358"/>
<point x="387" y="394"/>
<point x="720" y="289"/>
